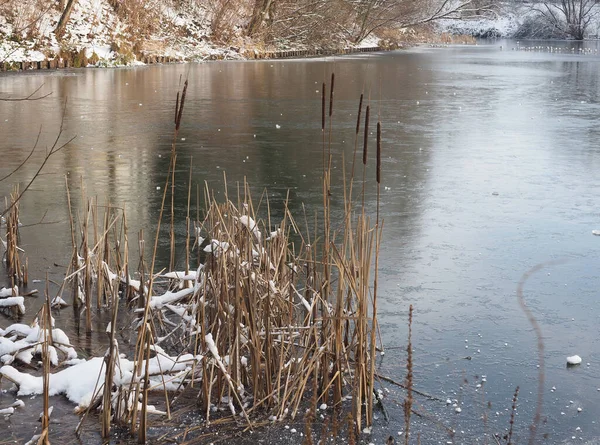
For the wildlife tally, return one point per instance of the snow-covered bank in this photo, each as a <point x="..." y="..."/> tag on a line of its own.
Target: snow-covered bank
<point x="97" y="35"/>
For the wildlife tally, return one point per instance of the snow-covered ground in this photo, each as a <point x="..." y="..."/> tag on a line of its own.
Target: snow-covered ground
<point x="94" y="27"/>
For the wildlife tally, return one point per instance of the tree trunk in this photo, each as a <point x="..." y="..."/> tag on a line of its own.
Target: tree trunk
<point x="64" y="19"/>
<point x="263" y="12"/>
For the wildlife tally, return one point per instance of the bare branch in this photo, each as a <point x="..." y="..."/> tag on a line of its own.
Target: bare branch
<point x="53" y="150"/>
<point x="30" y="97"/>
<point x="26" y="159"/>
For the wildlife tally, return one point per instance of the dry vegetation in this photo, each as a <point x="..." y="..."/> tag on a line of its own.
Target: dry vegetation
<point x="135" y="26"/>
<point x="273" y="321"/>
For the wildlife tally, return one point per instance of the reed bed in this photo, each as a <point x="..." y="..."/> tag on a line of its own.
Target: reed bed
<point x="282" y="320"/>
<point x="273" y="320"/>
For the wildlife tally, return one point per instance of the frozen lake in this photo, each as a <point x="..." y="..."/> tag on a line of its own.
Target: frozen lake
<point x="491" y="167"/>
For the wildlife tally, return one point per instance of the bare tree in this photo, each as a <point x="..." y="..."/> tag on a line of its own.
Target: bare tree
<point x="311" y="22"/>
<point x="224" y="16"/>
<point x="372" y="15"/>
<point x="263" y="13"/>
<point x="570" y="17"/>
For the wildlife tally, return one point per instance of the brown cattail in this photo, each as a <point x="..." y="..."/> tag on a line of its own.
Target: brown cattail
<point x="378" y="152"/>
<point x="178" y="121"/>
<point x="359" y="112"/>
<point x="331" y="94"/>
<point x="366" y="141"/>
<point x="176" y="108"/>
<point x="323" y="107"/>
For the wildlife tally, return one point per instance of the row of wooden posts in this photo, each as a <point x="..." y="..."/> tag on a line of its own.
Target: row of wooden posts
<point x="310" y="53"/>
<point x="57" y="63"/>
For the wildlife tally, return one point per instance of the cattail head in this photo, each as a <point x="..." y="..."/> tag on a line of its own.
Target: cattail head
<point x="180" y="112"/>
<point x="366" y="139"/>
<point x="359" y="112"/>
<point x="378" y="152"/>
<point x="331" y="94"/>
<point x="323" y="106"/>
<point x="176" y="108"/>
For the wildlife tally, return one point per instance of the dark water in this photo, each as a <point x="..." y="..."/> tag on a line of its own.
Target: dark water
<point x="491" y="162"/>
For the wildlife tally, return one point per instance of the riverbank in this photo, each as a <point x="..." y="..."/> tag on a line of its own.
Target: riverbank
<point x="58" y="63"/>
<point x="98" y="33"/>
<point x="81" y="60"/>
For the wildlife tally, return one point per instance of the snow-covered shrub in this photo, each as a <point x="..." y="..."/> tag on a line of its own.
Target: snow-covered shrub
<point x="537" y="27"/>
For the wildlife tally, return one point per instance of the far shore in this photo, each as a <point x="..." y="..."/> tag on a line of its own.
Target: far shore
<point x="64" y="63"/>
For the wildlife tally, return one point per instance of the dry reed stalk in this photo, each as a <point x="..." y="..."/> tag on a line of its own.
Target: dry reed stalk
<point x="378" y="231"/>
<point x="408" y="402"/>
<point x="331" y="92"/>
<point x="188" y="227"/>
<point x="104" y="297"/>
<point x="513" y="411"/>
<point x="144" y="414"/>
<point x="46" y="329"/>
<point x="540" y="347"/>
<point x="125" y="269"/>
<point x="74" y="264"/>
<point x="143" y="340"/>
<point x="14" y="264"/>
<point x="110" y="361"/>
<point x="95" y="258"/>
<point x="365" y="153"/>
<point x="323" y="96"/>
<point x="87" y="272"/>
<point x="142" y="270"/>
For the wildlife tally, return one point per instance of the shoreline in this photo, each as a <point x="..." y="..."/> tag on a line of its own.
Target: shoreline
<point x="69" y="63"/>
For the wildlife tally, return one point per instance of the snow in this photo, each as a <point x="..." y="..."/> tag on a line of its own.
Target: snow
<point x="5" y="292"/>
<point x="168" y="297"/>
<point x="78" y="382"/>
<point x="500" y="26"/>
<point x="370" y="42"/>
<point x="34" y="440"/>
<point x="13" y="302"/>
<point x="29" y="344"/>
<point x="212" y="346"/>
<point x="573" y="360"/>
<point x="216" y="246"/>
<point x="58" y="302"/>
<point x="180" y="275"/>
<point x="248" y="222"/>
